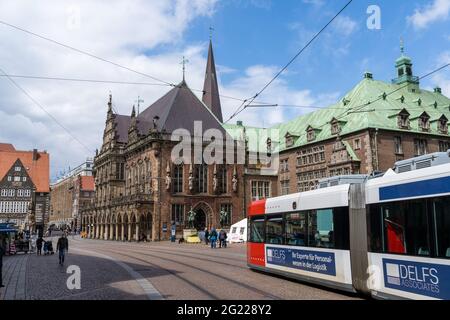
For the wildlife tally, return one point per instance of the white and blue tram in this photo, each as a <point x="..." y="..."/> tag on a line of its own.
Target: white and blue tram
<point x="387" y="235"/>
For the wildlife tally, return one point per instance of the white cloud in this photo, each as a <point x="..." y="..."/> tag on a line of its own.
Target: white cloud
<point x="314" y="2"/>
<point x="441" y="79"/>
<point x="344" y="25"/>
<point x="129" y="33"/>
<point x="278" y="93"/>
<point x="436" y="11"/>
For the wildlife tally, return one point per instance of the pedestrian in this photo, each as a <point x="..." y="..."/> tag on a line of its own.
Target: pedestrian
<point x="39" y="242"/>
<point x="206" y="236"/>
<point x="62" y="246"/>
<point x="223" y="239"/>
<point x="213" y="238"/>
<point x="45" y="248"/>
<point x="2" y="252"/>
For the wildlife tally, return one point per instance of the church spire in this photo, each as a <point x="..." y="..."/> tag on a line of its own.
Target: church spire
<point x="210" y="88"/>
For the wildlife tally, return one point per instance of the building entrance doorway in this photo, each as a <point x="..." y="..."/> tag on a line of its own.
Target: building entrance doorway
<point x="200" y="219"/>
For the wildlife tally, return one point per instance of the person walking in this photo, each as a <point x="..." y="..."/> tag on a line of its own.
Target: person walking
<point x="62" y="246"/>
<point x="213" y="238"/>
<point x="206" y="236"/>
<point x="39" y="242"/>
<point x="2" y="252"/>
<point x="223" y="239"/>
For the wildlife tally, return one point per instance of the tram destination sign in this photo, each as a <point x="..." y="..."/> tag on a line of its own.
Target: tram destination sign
<point x="426" y="279"/>
<point x="308" y="260"/>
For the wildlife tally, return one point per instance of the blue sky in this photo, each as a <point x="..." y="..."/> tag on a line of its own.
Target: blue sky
<point x="253" y="39"/>
<point x="271" y="32"/>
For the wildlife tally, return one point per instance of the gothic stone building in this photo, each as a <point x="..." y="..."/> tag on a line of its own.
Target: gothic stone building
<point x="141" y="192"/>
<point x="375" y="125"/>
<point x="24" y="187"/>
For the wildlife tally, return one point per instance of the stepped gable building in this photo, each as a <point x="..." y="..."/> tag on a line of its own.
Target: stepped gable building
<point x="24" y="187"/>
<point x="372" y="127"/>
<point x="140" y="192"/>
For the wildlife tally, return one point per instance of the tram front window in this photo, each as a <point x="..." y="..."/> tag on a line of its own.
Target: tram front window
<point x="441" y="212"/>
<point x="295" y="229"/>
<point x="257" y="230"/>
<point x="274" y="230"/>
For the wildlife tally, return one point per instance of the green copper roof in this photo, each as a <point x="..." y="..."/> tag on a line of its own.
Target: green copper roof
<point x="355" y="115"/>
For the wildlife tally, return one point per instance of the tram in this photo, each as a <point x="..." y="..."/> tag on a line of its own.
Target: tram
<point x="385" y="235"/>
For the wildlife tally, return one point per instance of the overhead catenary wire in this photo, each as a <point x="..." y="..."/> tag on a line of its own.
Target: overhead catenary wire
<point x="45" y="110"/>
<point x="84" y="52"/>
<point x="244" y="106"/>
<point x="106" y="60"/>
<point x="360" y="107"/>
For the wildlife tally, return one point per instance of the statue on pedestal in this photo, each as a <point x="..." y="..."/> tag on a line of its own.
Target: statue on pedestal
<point x="191" y="218"/>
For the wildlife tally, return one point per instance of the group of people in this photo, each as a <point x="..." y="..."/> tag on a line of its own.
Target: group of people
<point x="212" y="237"/>
<point x="62" y="247"/>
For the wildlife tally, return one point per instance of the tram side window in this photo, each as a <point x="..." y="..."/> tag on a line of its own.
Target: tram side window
<point x="257" y="230"/>
<point x="274" y="230"/>
<point x="404" y="228"/>
<point x="441" y="211"/>
<point x="295" y="225"/>
<point x="328" y="228"/>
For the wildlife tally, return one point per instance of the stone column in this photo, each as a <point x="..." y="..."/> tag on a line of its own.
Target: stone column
<point x="117" y="232"/>
<point x="102" y="231"/>
<point x="122" y="237"/>
<point x="129" y="232"/>
<point x="111" y="231"/>
<point x="137" y="231"/>
<point x="107" y="231"/>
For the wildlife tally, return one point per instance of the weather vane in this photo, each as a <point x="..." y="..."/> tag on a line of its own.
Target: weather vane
<point x="138" y="101"/>
<point x="211" y="29"/>
<point x="402" y="45"/>
<point x="184" y="62"/>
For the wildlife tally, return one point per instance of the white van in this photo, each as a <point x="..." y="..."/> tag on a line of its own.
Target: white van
<point x="238" y="232"/>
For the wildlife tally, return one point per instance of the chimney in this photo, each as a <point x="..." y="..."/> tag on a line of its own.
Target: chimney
<point x="35" y="154"/>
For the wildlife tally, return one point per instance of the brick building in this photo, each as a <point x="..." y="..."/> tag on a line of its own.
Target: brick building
<point x="24" y="187"/>
<point x="374" y="125"/>
<point x="70" y="194"/>
<point x="142" y="191"/>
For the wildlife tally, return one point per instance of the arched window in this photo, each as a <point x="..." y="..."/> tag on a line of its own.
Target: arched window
<point x="201" y="178"/>
<point x="178" y="178"/>
<point x="222" y="179"/>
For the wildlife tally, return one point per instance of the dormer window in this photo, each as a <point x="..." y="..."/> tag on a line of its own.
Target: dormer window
<point x="424" y="122"/>
<point x="335" y="127"/>
<point x="311" y="134"/>
<point x="443" y="125"/>
<point x="403" y="120"/>
<point x="289" y="140"/>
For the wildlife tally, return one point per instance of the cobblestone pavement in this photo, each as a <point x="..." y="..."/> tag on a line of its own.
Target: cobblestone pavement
<point x="29" y="276"/>
<point x="119" y="270"/>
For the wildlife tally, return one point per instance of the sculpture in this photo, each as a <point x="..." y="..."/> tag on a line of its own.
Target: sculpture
<point x="234" y="181"/>
<point x="168" y="177"/>
<point x="168" y="181"/>
<point x="223" y="217"/>
<point x="215" y="183"/>
<point x="191" y="182"/>
<point x="191" y="218"/>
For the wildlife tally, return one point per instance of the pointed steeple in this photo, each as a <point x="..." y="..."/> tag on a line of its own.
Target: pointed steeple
<point x="210" y="88"/>
<point x="110" y="110"/>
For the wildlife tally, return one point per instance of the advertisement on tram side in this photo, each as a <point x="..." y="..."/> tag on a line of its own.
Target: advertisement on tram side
<point x="410" y="277"/>
<point x="326" y="264"/>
